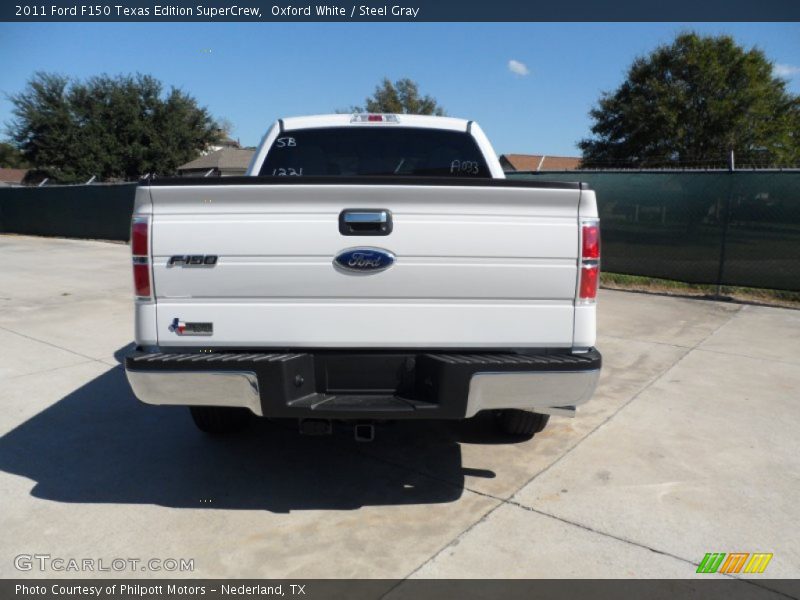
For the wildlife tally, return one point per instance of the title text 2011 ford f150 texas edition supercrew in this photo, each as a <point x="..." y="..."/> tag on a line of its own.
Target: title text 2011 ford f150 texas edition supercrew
<point x="368" y="267"/>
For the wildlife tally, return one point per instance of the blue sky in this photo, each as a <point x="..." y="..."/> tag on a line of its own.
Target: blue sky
<point x="253" y="73"/>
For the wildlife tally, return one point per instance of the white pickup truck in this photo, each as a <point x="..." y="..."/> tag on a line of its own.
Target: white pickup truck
<point x="368" y="267"/>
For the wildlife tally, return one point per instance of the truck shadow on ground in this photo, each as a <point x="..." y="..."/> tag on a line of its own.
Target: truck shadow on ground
<point x="100" y="445"/>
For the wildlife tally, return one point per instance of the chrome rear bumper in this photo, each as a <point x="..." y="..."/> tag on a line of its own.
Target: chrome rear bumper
<point x="197" y="388"/>
<point x="548" y="392"/>
<point x="341" y="385"/>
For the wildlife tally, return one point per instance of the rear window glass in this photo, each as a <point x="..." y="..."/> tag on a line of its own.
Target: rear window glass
<point x="382" y="150"/>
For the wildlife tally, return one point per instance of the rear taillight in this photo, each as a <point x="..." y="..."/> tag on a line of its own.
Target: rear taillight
<point x="589" y="281"/>
<point x="139" y="236"/>
<point x="589" y="268"/>
<point x="141" y="279"/>
<point x="590" y="241"/>
<point x="140" y="249"/>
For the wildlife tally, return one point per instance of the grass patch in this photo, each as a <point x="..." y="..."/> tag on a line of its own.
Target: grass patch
<point x="618" y="281"/>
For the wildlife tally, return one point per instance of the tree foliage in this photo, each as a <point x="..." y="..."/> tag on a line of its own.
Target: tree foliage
<point x="113" y="127"/>
<point x="690" y="103"/>
<point x="401" y="97"/>
<point x="11" y="158"/>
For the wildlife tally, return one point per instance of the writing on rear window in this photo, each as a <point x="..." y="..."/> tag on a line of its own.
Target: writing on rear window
<point x="375" y="151"/>
<point x="284" y="171"/>
<point x="461" y="167"/>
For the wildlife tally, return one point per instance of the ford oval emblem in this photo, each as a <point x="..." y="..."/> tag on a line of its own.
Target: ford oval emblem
<point x="364" y="260"/>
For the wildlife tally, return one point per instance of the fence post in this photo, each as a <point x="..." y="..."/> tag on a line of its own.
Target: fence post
<point x="726" y="212"/>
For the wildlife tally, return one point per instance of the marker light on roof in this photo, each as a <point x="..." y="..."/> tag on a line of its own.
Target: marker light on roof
<point x="373" y="118"/>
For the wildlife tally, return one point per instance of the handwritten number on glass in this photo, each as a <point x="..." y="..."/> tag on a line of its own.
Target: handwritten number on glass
<point x="465" y="167"/>
<point x="286" y="171"/>
<point x="285" y="142"/>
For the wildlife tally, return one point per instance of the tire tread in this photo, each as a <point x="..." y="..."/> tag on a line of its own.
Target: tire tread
<point x="522" y="423"/>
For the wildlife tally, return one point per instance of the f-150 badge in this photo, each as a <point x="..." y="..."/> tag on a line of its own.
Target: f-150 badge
<point x="364" y="260"/>
<point x="192" y="260"/>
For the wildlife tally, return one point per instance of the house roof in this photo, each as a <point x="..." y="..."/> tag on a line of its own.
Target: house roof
<point x="534" y="162"/>
<point x="224" y="159"/>
<point x="12" y="175"/>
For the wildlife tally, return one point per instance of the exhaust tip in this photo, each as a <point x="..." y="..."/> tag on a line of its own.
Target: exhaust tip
<point x="364" y="432"/>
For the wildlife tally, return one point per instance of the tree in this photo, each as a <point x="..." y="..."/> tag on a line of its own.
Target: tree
<point x="402" y="97"/>
<point x="11" y="158"/>
<point x="112" y="127"/>
<point x="225" y="126"/>
<point x="691" y="103"/>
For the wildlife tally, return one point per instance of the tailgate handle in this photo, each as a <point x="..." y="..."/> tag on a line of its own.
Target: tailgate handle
<point x="365" y="221"/>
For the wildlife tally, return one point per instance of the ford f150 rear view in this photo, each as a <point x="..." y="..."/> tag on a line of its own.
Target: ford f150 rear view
<point x="367" y="267"/>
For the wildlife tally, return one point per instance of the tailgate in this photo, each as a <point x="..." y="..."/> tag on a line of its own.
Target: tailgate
<point x="475" y="266"/>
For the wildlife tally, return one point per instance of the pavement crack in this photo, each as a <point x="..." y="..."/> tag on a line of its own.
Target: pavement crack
<point x="46" y="343"/>
<point x="641" y="341"/>
<point x="631" y="542"/>
<point x="77" y="364"/>
<point x="738" y="355"/>
<point x="598" y="532"/>
<point x="445" y="547"/>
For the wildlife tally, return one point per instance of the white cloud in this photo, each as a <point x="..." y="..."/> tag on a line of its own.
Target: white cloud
<point x="781" y="70"/>
<point x="518" y="68"/>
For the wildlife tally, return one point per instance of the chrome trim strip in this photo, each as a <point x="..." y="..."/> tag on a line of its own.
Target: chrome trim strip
<point x="549" y="392"/>
<point x="197" y="388"/>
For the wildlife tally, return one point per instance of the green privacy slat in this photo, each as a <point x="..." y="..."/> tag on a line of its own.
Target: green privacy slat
<point x="670" y="224"/>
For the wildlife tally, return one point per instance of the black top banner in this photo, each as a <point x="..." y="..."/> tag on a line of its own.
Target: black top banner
<point x="402" y="10"/>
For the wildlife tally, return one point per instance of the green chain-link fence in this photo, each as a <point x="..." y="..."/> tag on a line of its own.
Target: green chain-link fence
<point x="739" y="228"/>
<point x="80" y="211"/>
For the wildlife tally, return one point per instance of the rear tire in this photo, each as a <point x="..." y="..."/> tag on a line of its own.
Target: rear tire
<point x="522" y="423"/>
<point x="218" y="420"/>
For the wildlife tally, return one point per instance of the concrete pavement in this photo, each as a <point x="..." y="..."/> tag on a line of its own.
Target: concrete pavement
<point x="689" y="446"/>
